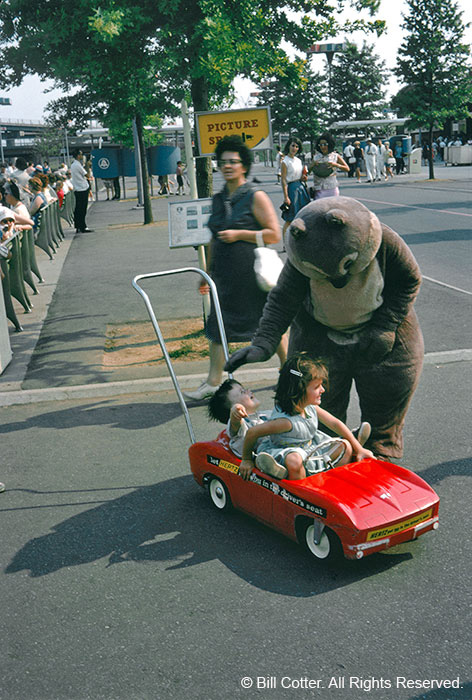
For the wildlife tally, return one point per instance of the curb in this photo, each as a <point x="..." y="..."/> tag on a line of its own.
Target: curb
<point x="142" y="386"/>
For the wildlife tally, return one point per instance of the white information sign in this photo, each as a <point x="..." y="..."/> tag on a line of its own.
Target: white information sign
<point x="188" y="223"/>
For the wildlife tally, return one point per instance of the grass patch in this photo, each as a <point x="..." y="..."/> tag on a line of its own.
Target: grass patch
<point x="135" y="343"/>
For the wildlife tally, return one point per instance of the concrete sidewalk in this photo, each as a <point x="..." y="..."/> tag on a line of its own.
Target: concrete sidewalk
<point x="87" y="293"/>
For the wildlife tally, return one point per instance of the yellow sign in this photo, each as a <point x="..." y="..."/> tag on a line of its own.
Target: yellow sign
<point x="405" y="525"/>
<point x="227" y="465"/>
<point x="253" y="125"/>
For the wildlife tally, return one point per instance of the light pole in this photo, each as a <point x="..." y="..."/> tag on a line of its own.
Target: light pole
<point x="66" y="140"/>
<point x="329" y="50"/>
<point x="3" y="101"/>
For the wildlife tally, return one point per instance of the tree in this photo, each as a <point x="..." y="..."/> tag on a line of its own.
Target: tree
<point x="113" y="72"/>
<point x="358" y="83"/>
<point x="49" y="143"/>
<point x="127" y="55"/>
<point x="432" y="62"/>
<point x="297" y="101"/>
<point x="220" y="39"/>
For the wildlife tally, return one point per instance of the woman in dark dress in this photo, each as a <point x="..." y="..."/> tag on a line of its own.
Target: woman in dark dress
<point x="359" y="156"/>
<point x="239" y="212"/>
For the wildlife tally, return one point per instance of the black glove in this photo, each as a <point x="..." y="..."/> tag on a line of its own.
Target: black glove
<point x="376" y="343"/>
<point x="252" y="353"/>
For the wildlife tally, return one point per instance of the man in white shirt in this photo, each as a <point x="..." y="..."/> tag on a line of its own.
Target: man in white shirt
<point x="81" y="188"/>
<point x="371" y="153"/>
<point x="380" y="162"/>
<point x="349" y="158"/>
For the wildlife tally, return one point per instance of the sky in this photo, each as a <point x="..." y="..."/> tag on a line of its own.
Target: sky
<point x="29" y="100"/>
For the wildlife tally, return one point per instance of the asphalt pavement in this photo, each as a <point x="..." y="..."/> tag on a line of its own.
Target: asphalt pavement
<point x="87" y="292"/>
<point x="120" y="581"/>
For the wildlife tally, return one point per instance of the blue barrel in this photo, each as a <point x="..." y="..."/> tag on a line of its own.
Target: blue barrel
<point x="163" y="159"/>
<point x="128" y="165"/>
<point x="105" y="163"/>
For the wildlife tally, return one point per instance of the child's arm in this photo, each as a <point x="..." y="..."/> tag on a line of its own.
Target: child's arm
<point x="268" y="427"/>
<point x="237" y="413"/>
<point x="343" y="431"/>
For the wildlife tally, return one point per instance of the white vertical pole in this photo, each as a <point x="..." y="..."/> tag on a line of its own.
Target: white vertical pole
<point x="189" y="159"/>
<point x="192" y="178"/>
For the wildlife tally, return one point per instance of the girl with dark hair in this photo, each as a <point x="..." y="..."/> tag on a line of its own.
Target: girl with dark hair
<point x="293" y="185"/>
<point x="293" y="429"/>
<point x="240" y="215"/>
<point x="324" y="165"/>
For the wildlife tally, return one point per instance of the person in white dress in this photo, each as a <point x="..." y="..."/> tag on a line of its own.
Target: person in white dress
<point x="293" y="182"/>
<point x="371" y="153"/>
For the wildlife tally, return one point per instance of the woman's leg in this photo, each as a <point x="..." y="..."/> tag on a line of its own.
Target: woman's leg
<point x="215" y="375"/>
<point x="217" y="362"/>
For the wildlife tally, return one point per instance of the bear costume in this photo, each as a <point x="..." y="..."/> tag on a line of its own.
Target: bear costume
<point x="347" y="291"/>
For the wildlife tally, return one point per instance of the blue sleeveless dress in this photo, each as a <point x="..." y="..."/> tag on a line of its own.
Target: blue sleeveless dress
<point x="232" y="267"/>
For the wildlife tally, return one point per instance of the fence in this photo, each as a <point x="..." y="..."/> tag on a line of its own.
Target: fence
<point x="20" y="271"/>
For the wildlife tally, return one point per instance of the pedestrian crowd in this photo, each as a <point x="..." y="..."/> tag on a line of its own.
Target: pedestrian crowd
<point x="26" y="188"/>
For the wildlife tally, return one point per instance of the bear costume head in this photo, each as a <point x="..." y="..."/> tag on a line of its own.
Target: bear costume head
<point x="335" y="238"/>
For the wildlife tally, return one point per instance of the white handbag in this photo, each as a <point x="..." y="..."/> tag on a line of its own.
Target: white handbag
<point x="267" y="265"/>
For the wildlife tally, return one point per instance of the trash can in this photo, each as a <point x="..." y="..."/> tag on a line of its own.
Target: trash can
<point x="164" y="159"/>
<point x="414" y="161"/>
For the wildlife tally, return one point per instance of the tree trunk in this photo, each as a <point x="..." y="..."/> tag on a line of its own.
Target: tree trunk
<point x="430" y="153"/>
<point x="144" y="171"/>
<point x="199" y="92"/>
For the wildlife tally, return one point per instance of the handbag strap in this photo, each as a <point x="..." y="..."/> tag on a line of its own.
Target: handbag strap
<point x="260" y="239"/>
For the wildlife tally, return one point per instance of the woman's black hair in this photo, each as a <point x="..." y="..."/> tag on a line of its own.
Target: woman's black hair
<point x="328" y="138"/>
<point x="219" y="406"/>
<point x="293" y="139"/>
<point x="295" y="375"/>
<point x="235" y="144"/>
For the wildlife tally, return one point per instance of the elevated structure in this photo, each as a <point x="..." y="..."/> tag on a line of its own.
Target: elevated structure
<point x="369" y="124"/>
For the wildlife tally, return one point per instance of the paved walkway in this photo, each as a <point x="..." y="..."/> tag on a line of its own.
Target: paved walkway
<point x="87" y="295"/>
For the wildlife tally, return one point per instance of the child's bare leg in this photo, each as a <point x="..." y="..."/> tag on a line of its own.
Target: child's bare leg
<point x="294" y="464"/>
<point x="346" y="458"/>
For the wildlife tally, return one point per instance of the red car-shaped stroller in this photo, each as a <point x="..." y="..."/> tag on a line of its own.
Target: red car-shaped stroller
<point x="352" y="510"/>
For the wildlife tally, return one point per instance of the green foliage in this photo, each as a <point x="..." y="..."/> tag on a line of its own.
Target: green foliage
<point x="358" y="83"/>
<point x="121" y="130"/>
<point x="49" y="143"/>
<point x="434" y="64"/>
<point x="141" y="58"/>
<point x="297" y="100"/>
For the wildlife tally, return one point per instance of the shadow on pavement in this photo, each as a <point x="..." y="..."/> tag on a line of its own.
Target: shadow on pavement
<point x="462" y="693"/>
<point x="174" y="526"/>
<point x="456" y="467"/>
<point x="446" y="236"/>
<point x="137" y="416"/>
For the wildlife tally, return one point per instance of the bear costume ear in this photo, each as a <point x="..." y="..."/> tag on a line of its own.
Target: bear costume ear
<point x="298" y="228"/>
<point x="336" y="217"/>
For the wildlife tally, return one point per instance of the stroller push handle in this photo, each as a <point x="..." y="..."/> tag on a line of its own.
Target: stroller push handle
<point x="160" y="337"/>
